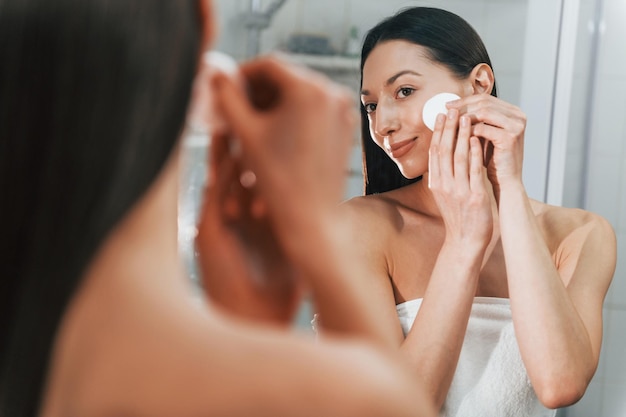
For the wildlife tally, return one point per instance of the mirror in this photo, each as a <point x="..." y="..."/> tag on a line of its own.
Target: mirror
<point x="325" y="35"/>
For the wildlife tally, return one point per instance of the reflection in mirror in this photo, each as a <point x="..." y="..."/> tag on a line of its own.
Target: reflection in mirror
<point x="323" y="35"/>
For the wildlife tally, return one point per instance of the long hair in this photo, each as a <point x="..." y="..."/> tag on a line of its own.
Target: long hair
<point x="450" y="41"/>
<point x="93" y="96"/>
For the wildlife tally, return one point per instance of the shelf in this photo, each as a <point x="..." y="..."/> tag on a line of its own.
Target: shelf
<point x="328" y="62"/>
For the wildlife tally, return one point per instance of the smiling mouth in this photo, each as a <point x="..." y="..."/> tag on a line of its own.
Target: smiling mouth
<point x="399" y="149"/>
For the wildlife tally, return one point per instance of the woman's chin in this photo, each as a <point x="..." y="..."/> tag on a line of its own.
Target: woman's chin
<point x="411" y="172"/>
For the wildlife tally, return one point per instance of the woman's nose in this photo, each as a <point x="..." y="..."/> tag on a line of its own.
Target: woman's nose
<point x="387" y="120"/>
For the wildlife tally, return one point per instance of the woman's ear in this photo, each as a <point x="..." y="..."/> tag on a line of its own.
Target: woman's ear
<point x="482" y="79"/>
<point x="209" y="24"/>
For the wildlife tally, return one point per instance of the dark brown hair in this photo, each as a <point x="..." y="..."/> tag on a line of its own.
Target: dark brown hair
<point x="93" y="96"/>
<point x="450" y="41"/>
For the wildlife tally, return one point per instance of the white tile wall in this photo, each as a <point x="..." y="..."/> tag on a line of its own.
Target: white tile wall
<point x="583" y="38"/>
<point x="613" y="400"/>
<point x="613" y="50"/>
<point x="606" y="396"/>
<point x="615" y="297"/>
<point x="508" y="84"/>
<point x="615" y="373"/>
<point x="572" y="192"/>
<point x="608" y="115"/>
<point x="604" y="180"/>
<point x="505" y="36"/>
<point x="621" y="225"/>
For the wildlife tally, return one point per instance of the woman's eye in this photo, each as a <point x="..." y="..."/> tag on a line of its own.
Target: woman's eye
<point x="369" y="107"/>
<point x="405" y="92"/>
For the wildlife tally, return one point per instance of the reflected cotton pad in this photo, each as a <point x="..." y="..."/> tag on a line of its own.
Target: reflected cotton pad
<point x="435" y="105"/>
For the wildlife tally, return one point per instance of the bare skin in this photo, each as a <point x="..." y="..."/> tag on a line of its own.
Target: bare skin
<point x="135" y="342"/>
<point x="468" y="230"/>
<point x="134" y="339"/>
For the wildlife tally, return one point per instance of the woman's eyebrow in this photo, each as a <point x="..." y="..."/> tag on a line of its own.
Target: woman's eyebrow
<point x="393" y="79"/>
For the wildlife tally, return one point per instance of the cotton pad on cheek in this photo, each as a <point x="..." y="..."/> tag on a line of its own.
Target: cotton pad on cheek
<point x="435" y="105"/>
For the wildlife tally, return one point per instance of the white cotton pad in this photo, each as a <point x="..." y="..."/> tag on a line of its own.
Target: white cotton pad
<point x="219" y="62"/>
<point x="435" y="105"/>
<point x="222" y="62"/>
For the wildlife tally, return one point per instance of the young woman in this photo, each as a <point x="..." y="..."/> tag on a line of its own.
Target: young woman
<point x="97" y="317"/>
<point x="499" y="296"/>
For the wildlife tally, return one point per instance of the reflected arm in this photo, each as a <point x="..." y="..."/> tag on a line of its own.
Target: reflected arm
<point x="556" y="303"/>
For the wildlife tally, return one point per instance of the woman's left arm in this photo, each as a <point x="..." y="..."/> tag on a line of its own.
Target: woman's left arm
<point x="556" y="301"/>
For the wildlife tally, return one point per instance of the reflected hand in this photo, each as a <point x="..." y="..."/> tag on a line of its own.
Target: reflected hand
<point x="296" y="129"/>
<point x="456" y="177"/>
<point x="502" y="125"/>
<point x="244" y="270"/>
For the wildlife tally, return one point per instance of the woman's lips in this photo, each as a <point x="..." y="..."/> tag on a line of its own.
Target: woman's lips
<point x="398" y="150"/>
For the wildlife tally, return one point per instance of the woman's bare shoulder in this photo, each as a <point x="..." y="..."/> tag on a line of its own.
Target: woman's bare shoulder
<point x="377" y="216"/>
<point x="579" y="240"/>
<point x="561" y="222"/>
<point x="383" y="208"/>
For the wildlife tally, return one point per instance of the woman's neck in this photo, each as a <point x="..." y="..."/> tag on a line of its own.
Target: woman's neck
<point x="419" y="197"/>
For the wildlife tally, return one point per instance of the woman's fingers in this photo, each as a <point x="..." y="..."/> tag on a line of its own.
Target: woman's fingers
<point x="474" y="102"/>
<point x="216" y="185"/>
<point x="217" y="200"/>
<point x="450" y="149"/>
<point x="447" y="144"/>
<point x="434" y="171"/>
<point x="476" y="180"/>
<point x="501" y="125"/>
<point x="235" y="107"/>
<point x="270" y="83"/>
<point x="461" y="153"/>
<point x="486" y="110"/>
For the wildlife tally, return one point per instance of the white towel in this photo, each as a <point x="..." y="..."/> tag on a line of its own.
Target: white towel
<point x="490" y="378"/>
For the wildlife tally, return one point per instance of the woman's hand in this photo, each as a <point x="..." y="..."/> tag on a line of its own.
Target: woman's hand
<point x="457" y="179"/>
<point x="296" y="128"/>
<point x="502" y="125"/>
<point x="244" y="269"/>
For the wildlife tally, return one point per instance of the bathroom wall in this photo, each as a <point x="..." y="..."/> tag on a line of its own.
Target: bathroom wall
<point x="596" y="179"/>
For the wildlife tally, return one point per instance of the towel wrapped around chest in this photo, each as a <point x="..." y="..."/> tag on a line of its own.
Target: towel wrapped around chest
<point x="490" y="379"/>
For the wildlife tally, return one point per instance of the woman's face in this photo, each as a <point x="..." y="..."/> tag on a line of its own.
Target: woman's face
<point x="398" y="78"/>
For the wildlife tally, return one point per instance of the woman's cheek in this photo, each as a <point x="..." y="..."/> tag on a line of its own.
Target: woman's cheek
<point x="377" y="140"/>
